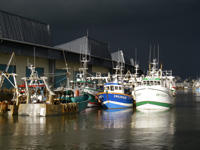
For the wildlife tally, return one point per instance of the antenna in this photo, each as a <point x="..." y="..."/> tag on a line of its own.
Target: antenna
<point x="34" y="56"/>
<point x="135" y="56"/>
<point x="65" y="61"/>
<point x="67" y="69"/>
<point x="87" y="32"/>
<point x="158" y="52"/>
<point x="150" y="47"/>
<point x="154" y="51"/>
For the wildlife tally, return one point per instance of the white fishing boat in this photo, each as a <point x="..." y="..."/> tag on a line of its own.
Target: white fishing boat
<point x="196" y="87"/>
<point x="154" y="92"/>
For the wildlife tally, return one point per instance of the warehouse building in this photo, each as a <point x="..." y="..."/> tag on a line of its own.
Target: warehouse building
<point x="31" y="41"/>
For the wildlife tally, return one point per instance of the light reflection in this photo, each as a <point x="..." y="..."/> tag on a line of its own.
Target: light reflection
<point x="196" y="94"/>
<point x="116" y="118"/>
<point x="154" y="127"/>
<point x="153" y="119"/>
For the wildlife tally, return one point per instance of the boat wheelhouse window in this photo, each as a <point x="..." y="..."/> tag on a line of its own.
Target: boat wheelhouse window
<point x="107" y="87"/>
<point x="112" y="88"/>
<point x="116" y="87"/>
<point x="127" y="91"/>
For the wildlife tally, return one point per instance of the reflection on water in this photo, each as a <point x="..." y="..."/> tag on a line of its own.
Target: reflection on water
<point x="107" y="129"/>
<point x="151" y="120"/>
<point x="116" y="118"/>
<point x="197" y="98"/>
<point x="154" y="129"/>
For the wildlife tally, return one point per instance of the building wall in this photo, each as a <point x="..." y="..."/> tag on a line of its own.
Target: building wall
<point x="21" y="64"/>
<point x="74" y="66"/>
<point x="60" y="64"/>
<point x="99" y="69"/>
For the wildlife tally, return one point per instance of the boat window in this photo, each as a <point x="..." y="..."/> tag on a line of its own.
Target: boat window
<point x="116" y="88"/>
<point x="107" y="87"/>
<point x="144" y="82"/>
<point x="158" y="82"/>
<point x="147" y="82"/>
<point x="112" y="88"/>
<point x="120" y="88"/>
<point x="127" y="91"/>
<point x="151" y="82"/>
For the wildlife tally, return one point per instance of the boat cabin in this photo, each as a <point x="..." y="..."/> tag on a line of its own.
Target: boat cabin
<point x="151" y="81"/>
<point x="113" y="87"/>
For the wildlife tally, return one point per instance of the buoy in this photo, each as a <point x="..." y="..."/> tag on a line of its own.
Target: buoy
<point x="76" y="93"/>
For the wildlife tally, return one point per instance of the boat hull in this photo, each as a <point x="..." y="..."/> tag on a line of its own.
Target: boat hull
<point x="43" y="110"/>
<point x="115" y="100"/>
<point x="91" y="92"/>
<point x="82" y="101"/>
<point x="153" y="98"/>
<point x="92" y="101"/>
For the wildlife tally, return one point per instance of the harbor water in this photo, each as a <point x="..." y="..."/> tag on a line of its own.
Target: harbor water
<point x="178" y="128"/>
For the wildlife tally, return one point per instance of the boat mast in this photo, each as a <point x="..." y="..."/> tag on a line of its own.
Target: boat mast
<point x="6" y="71"/>
<point x="119" y="67"/>
<point x="84" y="59"/>
<point x="67" y="70"/>
<point x="158" y="53"/>
<point x="150" y="47"/>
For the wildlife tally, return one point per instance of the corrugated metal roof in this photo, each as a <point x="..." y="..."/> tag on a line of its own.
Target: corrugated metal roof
<point x="118" y="56"/>
<point x="79" y="45"/>
<point x="23" y="29"/>
<point x="87" y="45"/>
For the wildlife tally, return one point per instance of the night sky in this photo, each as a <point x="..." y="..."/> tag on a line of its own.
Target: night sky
<point x="126" y="25"/>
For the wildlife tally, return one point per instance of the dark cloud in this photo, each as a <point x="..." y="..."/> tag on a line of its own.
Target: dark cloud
<point x="125" y="24"/>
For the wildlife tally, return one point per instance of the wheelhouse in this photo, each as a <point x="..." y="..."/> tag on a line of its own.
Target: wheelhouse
<point x="151" y="81"/>
<point x="113" y="87"/>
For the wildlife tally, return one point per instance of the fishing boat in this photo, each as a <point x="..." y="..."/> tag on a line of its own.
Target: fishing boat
<point x="88" y="86"/>
<point x="196" y="87"/>
<point x="154" y="91"/>
<point x="74" y="91"/>
<point x="116" y="94"/>
<point x="37" y="99"/>
<point x="91" y="92"/>
<point x="9" y="98"/>
<point x="96" y="87"/>
<point x="69" y="96"/>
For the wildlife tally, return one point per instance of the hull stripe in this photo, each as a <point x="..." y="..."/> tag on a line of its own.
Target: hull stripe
<point x="153" y="103"/>
<point x="118" y="103"/>
<point x="113" y="93"/>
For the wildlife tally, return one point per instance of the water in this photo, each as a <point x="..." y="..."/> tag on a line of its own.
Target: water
<point x="93" y="129"/>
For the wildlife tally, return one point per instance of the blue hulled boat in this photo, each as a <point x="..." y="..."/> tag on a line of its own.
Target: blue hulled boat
<point x="114" y="96"/>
